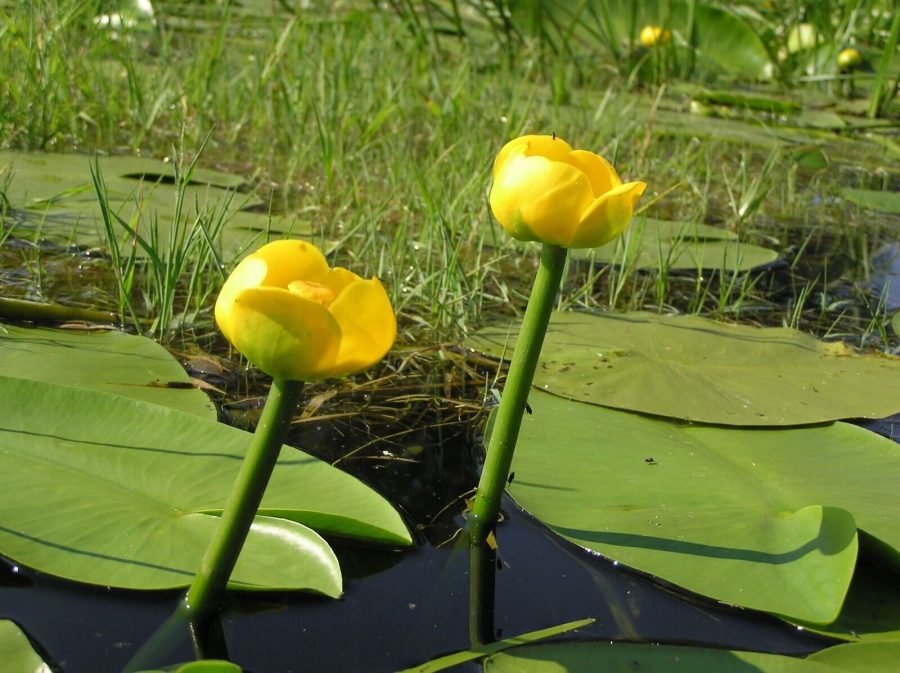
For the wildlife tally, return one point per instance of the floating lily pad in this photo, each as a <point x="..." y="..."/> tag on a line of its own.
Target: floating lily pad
<point x="107" y="361"/>
<point x="871" y="611"/>
<point x="113" y="491"/>
<point x="885" y="202"/>
<point x="759" y="518"/>
<point x="701" y="370"/>
<point x="860" y="657"/>
<point x="664" y="244"/>
<point x="58" y="192"/>
<point x="202" y="666"/>
<point x="457" y="658"/>
<point x="751" y="100"/>
<point x="16" y="653"/>
<point x="589" y="657"/>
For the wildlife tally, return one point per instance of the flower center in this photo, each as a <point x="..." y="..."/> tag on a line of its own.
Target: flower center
<point x="317" y="292"/>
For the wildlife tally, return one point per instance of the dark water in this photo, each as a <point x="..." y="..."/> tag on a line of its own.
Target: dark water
<point x="412" y="608"/>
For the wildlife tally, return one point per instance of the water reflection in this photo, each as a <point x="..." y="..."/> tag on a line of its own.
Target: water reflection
<point x="413" y="608"/>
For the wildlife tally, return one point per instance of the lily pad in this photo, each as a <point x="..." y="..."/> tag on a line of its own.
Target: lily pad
<point x="106" y="361"/>
<point x="58" y="191"/>
<point x="678" y="246"/>
<point x="457" y="658"/>
<point x="860" y="657"/>
<point x="885" y="202"/>
<point x="202" y="666"/>
<point x="701" y="370"/>
<point x="760" y="518"/>
<point x="589" y="657"/>
<point x="871" y="611"/>
<point x="16" y="653"/>
<point x="112" y="491"/>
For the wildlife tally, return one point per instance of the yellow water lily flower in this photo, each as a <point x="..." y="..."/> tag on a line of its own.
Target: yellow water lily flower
<point x="849" y="59"/>
<point x="297" y="319"/>
<point x="653" y="36"/>
<point x="545" y="191"/>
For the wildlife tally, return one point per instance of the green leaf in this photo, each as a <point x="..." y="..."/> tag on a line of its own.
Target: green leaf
<point x="450" y="660"/>
<point x="106" y="361"/>
<point x="871" y="611"/>
<point x="590" y="657"/>
<point x="759" y="518"/>
<point x="724" y="39"/>
<point x="59" y="190"/>
<point x="209" y="666"/>
<point x="664" y="244"/>
<point x="886" y="202"/>
<point x="202" y="666"/>
<point x="860" y="657"/>
<point x="16" y="652"/>
<point x="128" y="493"/>
<point x="703" y="371"/>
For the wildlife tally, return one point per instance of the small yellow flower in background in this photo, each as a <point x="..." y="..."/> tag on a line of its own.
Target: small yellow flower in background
<point x="653" y="36"/>
<point x="297" y="319"/>
<point x="849" y="59"/>
<point x="545" y="191"/>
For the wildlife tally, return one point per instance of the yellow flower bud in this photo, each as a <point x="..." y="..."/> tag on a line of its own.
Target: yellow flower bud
<point x="849" y="59"/>
<point x="653" y="36"/>
<point x="546" y="191"/>
<point x="297" y="319"/>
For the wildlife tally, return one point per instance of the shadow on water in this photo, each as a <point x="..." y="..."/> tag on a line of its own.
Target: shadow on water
<point x="399" y="609"/>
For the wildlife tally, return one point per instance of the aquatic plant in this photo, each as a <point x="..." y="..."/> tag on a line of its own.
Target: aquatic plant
<point x="545" y="191"/>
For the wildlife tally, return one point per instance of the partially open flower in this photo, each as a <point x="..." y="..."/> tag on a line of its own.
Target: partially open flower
<point x="849" y="59"/>
<point x="297" y="319"/>
<point x="546" y="191"/>
<point x="654" y="36"/>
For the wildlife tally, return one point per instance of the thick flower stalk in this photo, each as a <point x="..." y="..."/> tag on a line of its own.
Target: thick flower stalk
<point x="543" y="191"/>
<point x="546" y="191"/>
<point x="297" y="320"/>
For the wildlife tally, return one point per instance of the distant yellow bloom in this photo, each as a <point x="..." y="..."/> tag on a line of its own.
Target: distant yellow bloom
<point x="545" y="191"/>
<point x="297" y="319"/>
<point x="652" y="36"/>
<point x="849" y="58"/>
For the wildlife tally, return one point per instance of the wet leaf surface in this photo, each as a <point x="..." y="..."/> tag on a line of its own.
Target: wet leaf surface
<point x="704" y="371"/>
<point x="106" y="361"/>
<point x="677" y="246"/>
<point x="57" y="193"/>
<point x="16" y="653"/>
<point x="112" y="491"/>
<point x="589" y="657"/>
<point x="764" y="519"/>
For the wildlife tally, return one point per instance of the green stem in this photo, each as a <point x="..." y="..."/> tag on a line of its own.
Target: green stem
<point x="884" y="67"/>
<point x="499" y="456"/>
<point x="221" y="555"/>
<point x="482" y="583"/>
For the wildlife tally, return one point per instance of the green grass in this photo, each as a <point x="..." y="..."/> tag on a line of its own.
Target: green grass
<point x="379" y="127"/>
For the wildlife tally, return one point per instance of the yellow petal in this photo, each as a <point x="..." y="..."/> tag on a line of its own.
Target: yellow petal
<point x="534" y="198"/>
<point x="338" y="278"/>
<point x="550" y="147"/>
<point x="287" y="336"/>
<point x="289" y="260"/>
<point x="368" y="326"/>
<point x="249" y="273"/>
<point x="607" y="217"/>
<point x="599" y="171"/>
